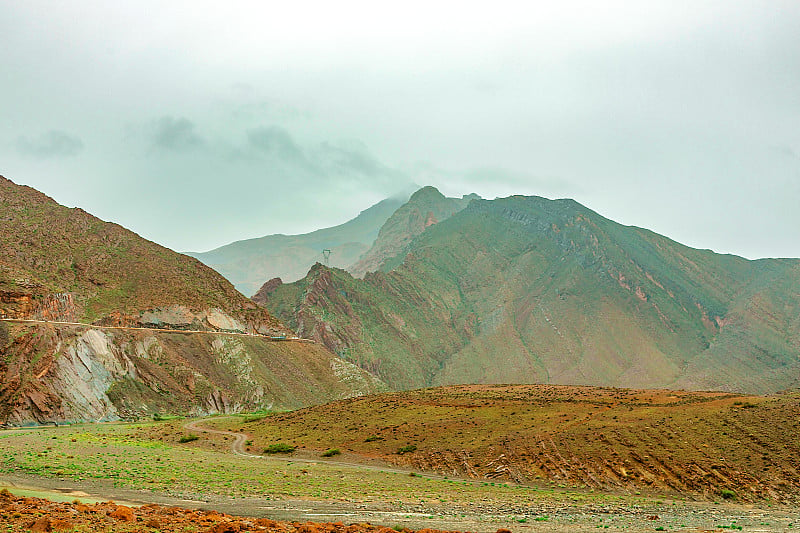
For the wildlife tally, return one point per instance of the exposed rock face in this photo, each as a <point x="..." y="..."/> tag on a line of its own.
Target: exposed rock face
<point x="64" y="373"/>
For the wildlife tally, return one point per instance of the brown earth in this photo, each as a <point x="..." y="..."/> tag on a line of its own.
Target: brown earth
<point x="706" y="445"/>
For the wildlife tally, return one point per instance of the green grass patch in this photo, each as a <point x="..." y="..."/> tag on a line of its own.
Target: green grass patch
<point x="280" y="447"/>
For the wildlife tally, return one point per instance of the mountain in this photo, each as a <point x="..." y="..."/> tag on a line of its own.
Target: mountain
<point x="249" y="262"/>
<point x="530" y="290"/>
<point x="426" y="207"/>
<point x="63" y="265"/>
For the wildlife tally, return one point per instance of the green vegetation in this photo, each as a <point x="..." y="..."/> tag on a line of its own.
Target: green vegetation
<point x="188" y="438"/>
<point x="409" y="448"/>
<point x="157" y="417"/>
<point x="280" y="447"/>
<point x="147" y="457"/>
<point x="330" y="452"/>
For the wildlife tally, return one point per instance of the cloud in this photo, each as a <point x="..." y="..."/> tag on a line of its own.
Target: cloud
<point x="175" y="135"/>
<point x="354" y="161"/>
<point x="277" y="142"/>
<point x="514" y="178"/>
<point x="51" y="144"/>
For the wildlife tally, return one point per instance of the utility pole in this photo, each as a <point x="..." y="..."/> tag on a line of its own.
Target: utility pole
<point x="326" y="257"/>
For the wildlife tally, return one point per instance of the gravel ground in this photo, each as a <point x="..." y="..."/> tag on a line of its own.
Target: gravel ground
<point x="645" y="515"/>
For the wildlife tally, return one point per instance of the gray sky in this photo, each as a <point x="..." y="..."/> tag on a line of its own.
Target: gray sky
<point x="196" y="124"/>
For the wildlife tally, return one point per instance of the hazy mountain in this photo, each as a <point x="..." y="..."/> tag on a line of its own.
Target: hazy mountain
<point x="525" y="289"/>
<point x="62" y="264"/>
<point x="248" y="263"/>
<point x="426" y="207"/>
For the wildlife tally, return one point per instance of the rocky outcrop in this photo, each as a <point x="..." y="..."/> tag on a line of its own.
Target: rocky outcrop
<point x="266" y="289"/>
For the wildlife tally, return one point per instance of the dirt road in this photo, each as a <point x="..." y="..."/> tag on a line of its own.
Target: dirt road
<point x="238" y="445"/>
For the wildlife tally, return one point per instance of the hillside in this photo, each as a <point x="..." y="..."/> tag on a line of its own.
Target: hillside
<point x="425" y="208"/>
<point x="697" y="444"/>
<point x="62" y="264"/>
<point x="248" y="263"/>
<point x="530" y="290"/>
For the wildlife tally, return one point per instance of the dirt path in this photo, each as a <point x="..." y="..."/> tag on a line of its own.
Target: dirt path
<point x="273" y="338"/>
<point x="237" y="447"/>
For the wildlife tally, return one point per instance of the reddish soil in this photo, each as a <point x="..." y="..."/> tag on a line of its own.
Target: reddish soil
<point x="39" y="515"/>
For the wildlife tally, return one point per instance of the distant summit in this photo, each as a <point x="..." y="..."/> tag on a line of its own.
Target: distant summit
<point x="249" y="262"/>
<point x="426" y="207"/>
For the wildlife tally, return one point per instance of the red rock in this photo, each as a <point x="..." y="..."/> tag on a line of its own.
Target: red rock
<point x="225" y="527"/>
<point x="123" y="514"/>
<point x="60" y="525"/>
<point x="40" y="525"/>
<point x="270" y="524"/>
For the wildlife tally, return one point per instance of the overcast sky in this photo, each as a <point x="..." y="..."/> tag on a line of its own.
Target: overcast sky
<point x="196" y="124"/>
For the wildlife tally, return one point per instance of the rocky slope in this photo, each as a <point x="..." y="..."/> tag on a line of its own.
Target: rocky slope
<point x="526" y="290"/>
<point x="425" y="208"/>
<point x="61" y="264"/>
<point x="249" y="262"/>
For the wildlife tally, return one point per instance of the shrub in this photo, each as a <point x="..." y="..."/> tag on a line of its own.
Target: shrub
<point x="280" y="447"/>
<point x="727" y="494"/>
<point x="331" y="452"/>
<point x="188" y="438"/>
<point x="406" y="449"/>
<point x="373" y="438"/>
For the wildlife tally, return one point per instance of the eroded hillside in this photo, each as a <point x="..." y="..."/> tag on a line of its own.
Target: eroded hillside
<point x="64" y="265"/>
<point x="706" y="444"/>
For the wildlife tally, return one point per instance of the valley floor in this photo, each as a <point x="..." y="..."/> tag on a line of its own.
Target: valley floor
<point x="125" y="463"/>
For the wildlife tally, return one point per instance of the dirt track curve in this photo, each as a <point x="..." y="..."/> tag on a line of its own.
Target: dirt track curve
<point x="237" y="447"/>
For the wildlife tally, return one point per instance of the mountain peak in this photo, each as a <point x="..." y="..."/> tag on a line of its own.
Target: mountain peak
<point x="429" y="192"/>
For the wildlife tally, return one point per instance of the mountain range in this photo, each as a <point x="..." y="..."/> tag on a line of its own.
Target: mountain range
<point x="100" y="324"/>
<point x="531" y="290"/>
